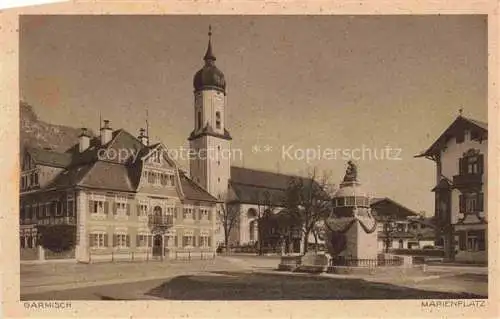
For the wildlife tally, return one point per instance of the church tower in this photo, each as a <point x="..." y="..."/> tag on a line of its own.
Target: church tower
<point x="210" y="141"/>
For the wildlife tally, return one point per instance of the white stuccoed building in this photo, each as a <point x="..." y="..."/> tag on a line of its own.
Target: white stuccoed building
<point x="461" y="196"/>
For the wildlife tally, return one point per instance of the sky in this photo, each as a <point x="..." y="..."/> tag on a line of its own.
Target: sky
<point x="330" y="84"/>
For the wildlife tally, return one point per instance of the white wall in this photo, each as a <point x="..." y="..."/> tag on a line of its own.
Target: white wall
<point x="450" y="167"/>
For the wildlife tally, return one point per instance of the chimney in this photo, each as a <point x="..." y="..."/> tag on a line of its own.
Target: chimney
<point x="106" y="133"/>
<point x="143" y="137"/>
<point x="84" y="140"/>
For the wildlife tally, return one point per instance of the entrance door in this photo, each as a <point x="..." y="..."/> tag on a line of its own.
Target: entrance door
<point x="157" y="245"/>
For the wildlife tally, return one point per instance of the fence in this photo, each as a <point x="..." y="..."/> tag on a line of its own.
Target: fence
<point x="49" y="255"/>
<point x="419" y="252"/>
<point x="368" y="263"/>
<point x="147" y="255"/>
<point x="29" y="253"/>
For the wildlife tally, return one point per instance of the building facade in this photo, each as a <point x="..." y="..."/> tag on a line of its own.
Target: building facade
<point x="136" y="206"/>
<point x="461" y="212"/>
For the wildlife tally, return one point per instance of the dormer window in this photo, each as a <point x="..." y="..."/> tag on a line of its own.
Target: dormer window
<point x="217" y="120"/>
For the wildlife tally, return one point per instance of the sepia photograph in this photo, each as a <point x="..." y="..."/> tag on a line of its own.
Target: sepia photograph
<point x="253" y="157"/>
<point x="261" y="160"/>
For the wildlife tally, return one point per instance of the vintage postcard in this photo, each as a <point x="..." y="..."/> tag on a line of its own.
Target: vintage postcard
<point x="319" y="160"/>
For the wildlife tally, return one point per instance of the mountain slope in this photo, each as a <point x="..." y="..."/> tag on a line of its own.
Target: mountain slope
<point x="36" y="133"/>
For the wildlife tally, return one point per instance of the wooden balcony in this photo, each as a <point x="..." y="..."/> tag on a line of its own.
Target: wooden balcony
<point x="467" y="180"/>
<point x="160" y="221"/>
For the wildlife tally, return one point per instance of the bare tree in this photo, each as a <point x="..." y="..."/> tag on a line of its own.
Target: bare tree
<point x="266" y="207"/>
<point x="388" y="231"/>
<point x="309" y="200"/>
<point x="228" y="216"/>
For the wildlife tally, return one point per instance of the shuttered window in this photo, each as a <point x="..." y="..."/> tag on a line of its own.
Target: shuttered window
<point x="98" y="240"/>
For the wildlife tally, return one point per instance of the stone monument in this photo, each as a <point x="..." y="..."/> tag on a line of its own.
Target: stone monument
<point x="351" y="235"/>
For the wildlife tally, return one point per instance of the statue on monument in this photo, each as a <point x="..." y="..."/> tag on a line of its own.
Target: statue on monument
<point x="351" y="173"/>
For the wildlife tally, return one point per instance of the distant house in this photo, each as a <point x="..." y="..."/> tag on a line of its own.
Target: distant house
<point x="461" y="212"/>
<point x="400" y="227"/>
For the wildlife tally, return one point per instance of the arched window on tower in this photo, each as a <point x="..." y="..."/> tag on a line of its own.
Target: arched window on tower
<point x="217" y="120"/>
<point x="198" y="120"/>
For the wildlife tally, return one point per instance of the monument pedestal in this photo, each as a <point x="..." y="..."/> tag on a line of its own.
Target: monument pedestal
<point x="360" y="245"/>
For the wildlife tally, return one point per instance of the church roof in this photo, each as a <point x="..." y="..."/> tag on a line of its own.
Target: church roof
<point x="459" y="125"/>
<point x="250" y="186"/>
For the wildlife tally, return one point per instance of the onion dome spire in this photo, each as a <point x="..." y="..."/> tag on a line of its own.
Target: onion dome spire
<point x="209" y="56"/>
<point x="209" y="77"/>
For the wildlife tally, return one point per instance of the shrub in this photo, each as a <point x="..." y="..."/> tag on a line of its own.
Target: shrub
<point x="58" y="238"/>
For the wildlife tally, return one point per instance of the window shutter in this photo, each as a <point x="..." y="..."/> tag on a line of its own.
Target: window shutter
<point x="150" y="241"/>
<point x="209" y="215"/>
<point x="64" y="210"/>
<point x="461" y="169"/>
<point x="481" y="163"/>
<point x="106" y="242"/>
<point x="91" y="240"/>
<point x="106" y="208"/>
<point x="128" y="209"/>
<point x="114" y="240"/>
<point x="209" y="241"/>
<point x="176" y="241"/>
<point x="481" y="240"/>
<point x="196" y="241"/>
<point x="91" y="206"/>
<point x="114" y="208"/>
<point x="128" y="240"/>
<point x="461" y="203"/>
<point x="138" y="210"/>
<point x="137" y="241"/>
<point x="480" y="202"/>
<point x="461" y="240"/>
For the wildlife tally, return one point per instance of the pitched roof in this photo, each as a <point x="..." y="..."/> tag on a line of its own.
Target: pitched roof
<point x="251" y="185"/>
<point x="193" y="191"/>
<point x="250" y="194"/>
<point x="481" y="124"/>
<point x="457" y="125"/>
<point x="70" y="177"/>
<point x="108" y="175"/>
<point x="116" y="173"/>
<point x="260" y="178"/>
<point x="49" y="157"/>
<point x="444" y="183"/>
<point x="388" y="207"/>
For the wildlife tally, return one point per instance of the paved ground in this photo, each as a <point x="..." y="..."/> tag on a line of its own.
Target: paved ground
<point x="235" y="278"/>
